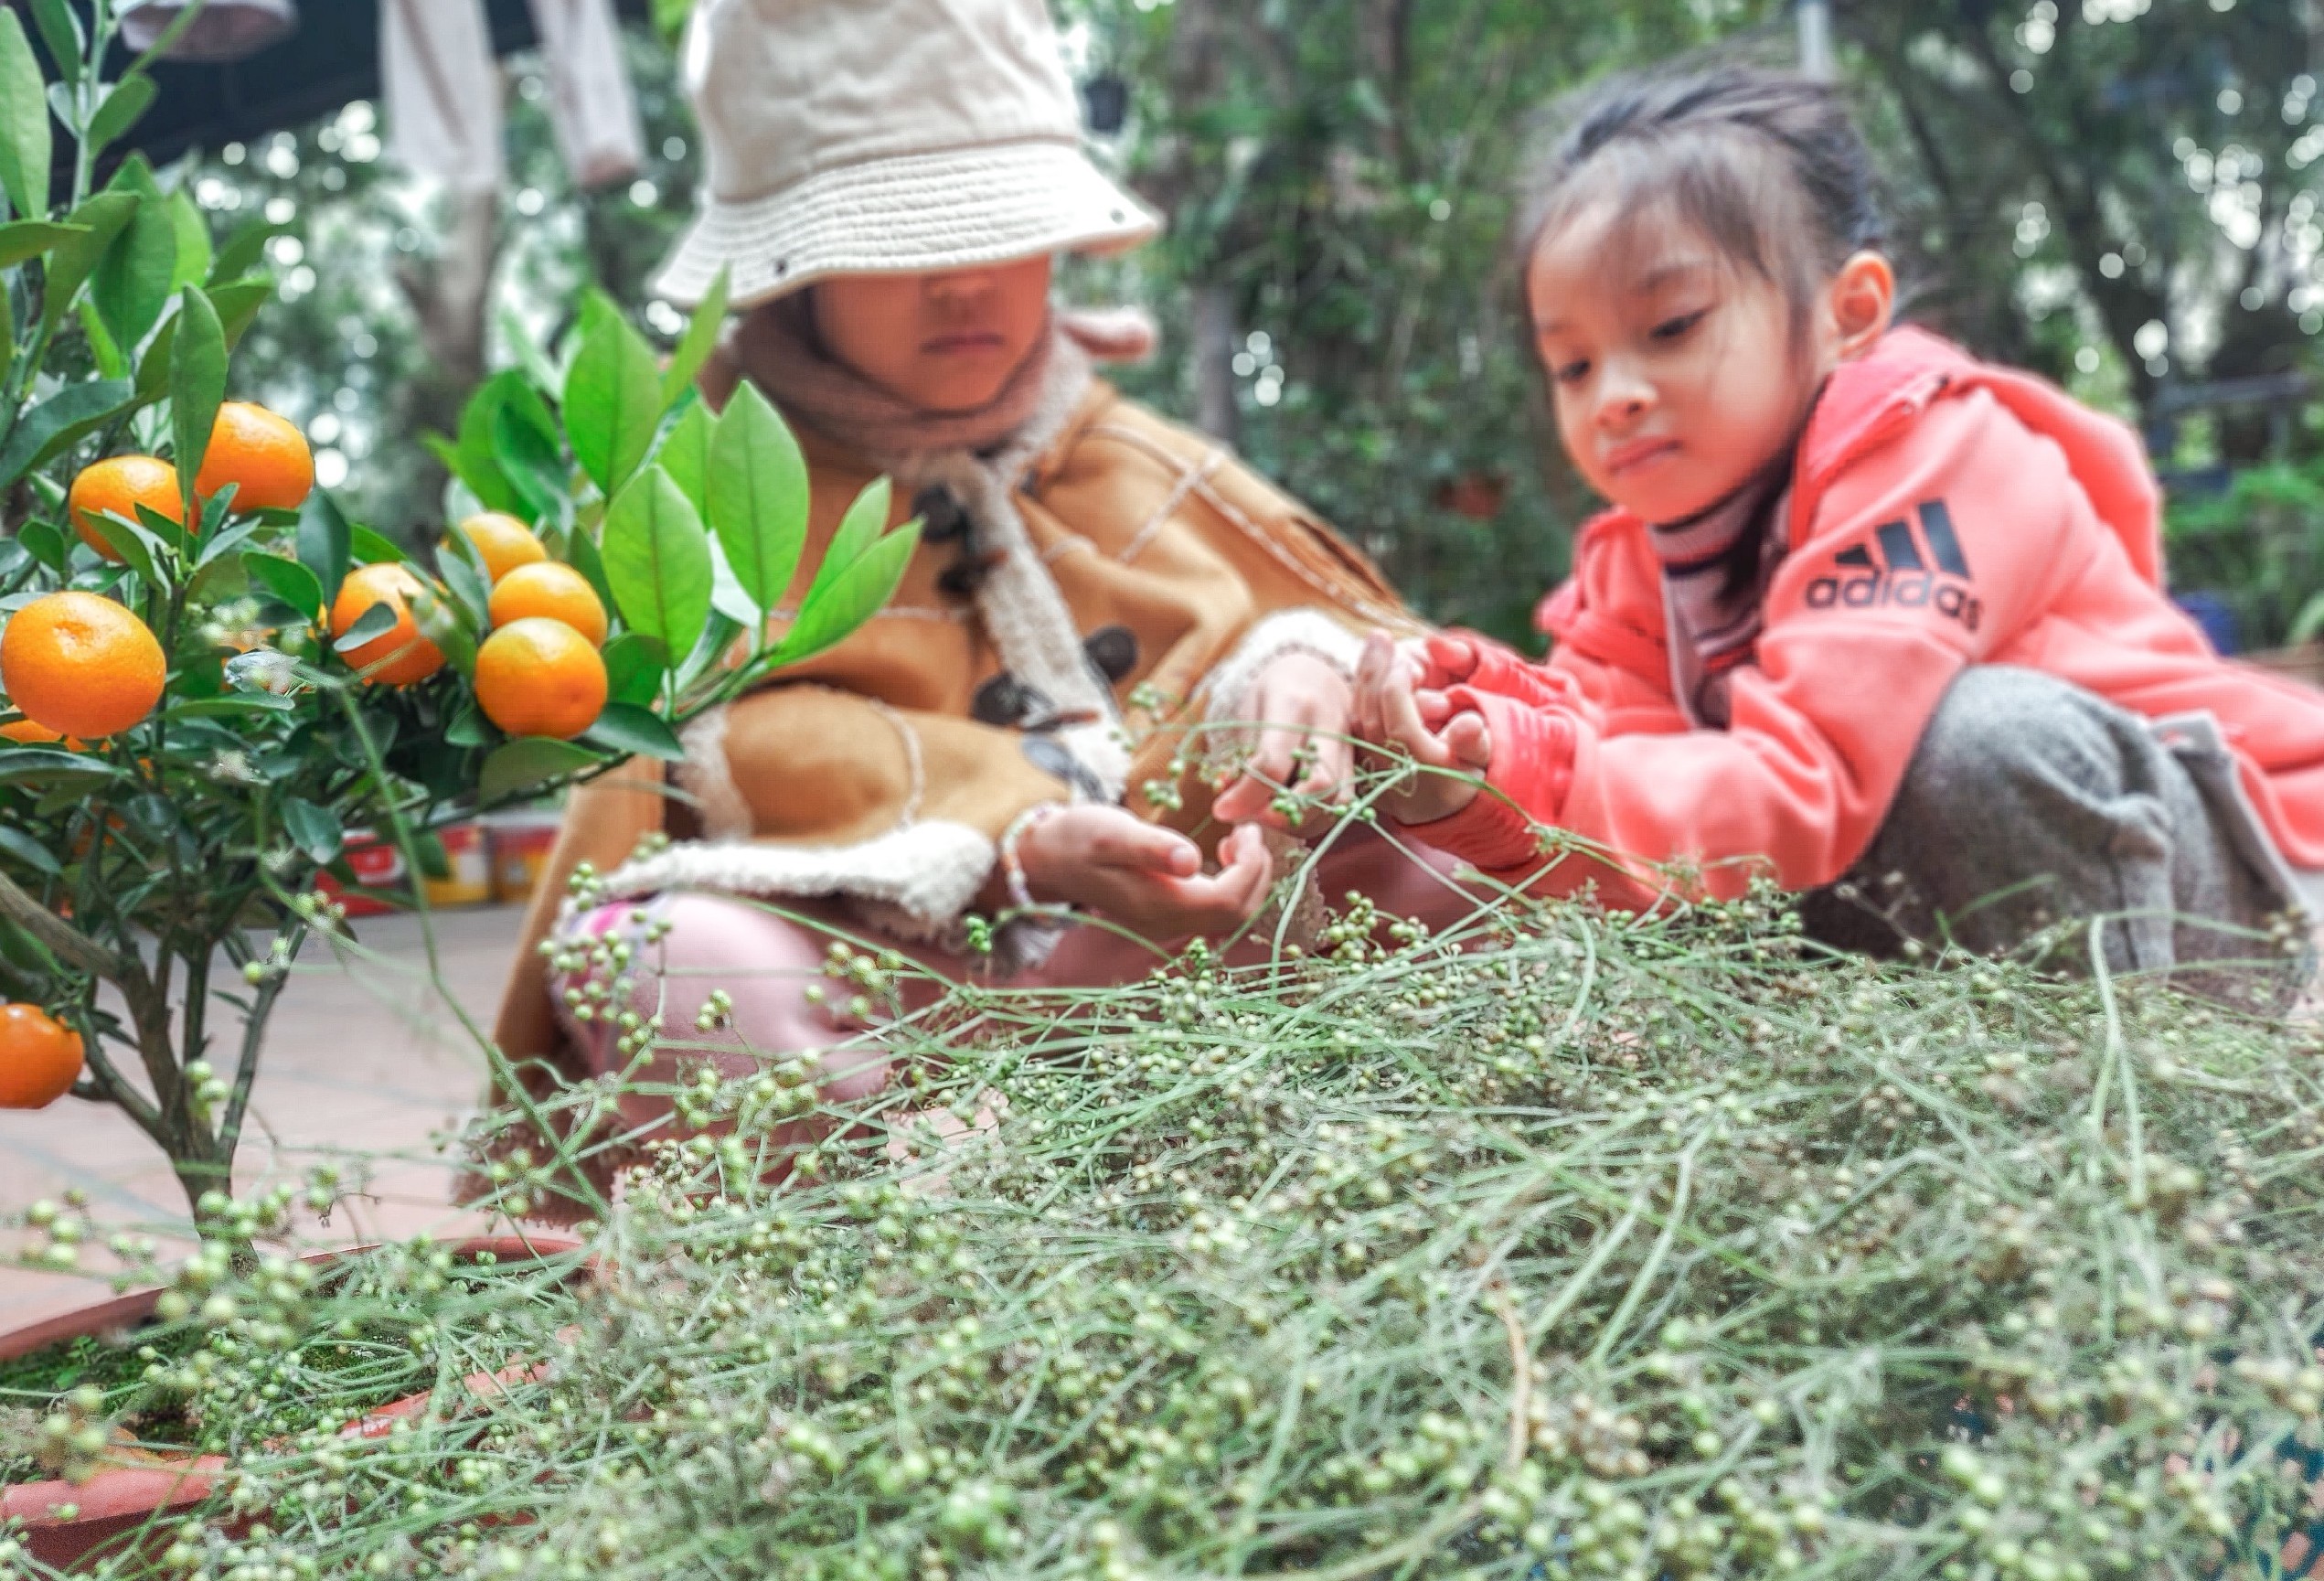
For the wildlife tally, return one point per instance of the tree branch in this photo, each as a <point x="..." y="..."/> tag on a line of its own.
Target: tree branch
<point x="67" y="943"/>
<point x="111" y="1086"/>
<point x="229" y="1128"/>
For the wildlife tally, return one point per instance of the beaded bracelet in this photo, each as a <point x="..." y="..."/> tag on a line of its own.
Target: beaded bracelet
<point x="1012" y="870"/>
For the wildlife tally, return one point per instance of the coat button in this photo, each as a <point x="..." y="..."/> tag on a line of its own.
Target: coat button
<point x="939" y="514"/>
<point x="1005" y="702"/>
<point x="1112" y="651"/>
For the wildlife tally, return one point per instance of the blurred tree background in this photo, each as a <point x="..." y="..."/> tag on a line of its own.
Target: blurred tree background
<point x="2122" y="194"/>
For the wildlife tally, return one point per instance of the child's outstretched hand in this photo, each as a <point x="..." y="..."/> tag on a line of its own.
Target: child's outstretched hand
<point x="1391" y="710"/>
<point x="1438" y="660"/>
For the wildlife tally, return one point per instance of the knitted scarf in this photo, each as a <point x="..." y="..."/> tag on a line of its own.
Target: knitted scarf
<point x="1716" y="566"/>
<point x="979" y="456"/>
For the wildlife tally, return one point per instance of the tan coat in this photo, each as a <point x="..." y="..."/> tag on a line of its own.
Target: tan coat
<point x="868" y="774"/>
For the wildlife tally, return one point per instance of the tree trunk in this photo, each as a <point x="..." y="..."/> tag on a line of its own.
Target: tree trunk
<point x="1215" y="338"/>
<point x="1197" y="69"/>
<point x="449" y="298"/>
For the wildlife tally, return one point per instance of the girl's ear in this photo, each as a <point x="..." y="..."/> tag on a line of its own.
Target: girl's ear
<point x="1863" y="302"/>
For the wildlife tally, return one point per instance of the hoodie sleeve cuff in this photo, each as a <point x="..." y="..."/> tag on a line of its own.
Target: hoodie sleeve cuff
<point x="1525" y="786"/>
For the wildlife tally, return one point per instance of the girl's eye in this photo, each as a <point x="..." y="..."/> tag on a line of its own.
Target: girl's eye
<point x="1570" y="372"/>
<point x="1672" y="328"/>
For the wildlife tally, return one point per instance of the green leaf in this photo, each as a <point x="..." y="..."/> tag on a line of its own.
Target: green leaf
<point x="245" y="247"/>
<point x="465" y="577"/>
<point x="233" y="703"/>
<point x="60" y="30"/>
<point x="657" y="559"/>
<point x="135" y="547"/>
<point x="757" y="489"/>
<point x="2308" y="624"/>
<point x="31" y="238"/>
<point x="445" y="622"/>
<point x="164" y="530"/>
<point x="583" y="553"/>
<point x="193" y="243"/>
<point x="125" y="104"/>
<point x="866" y="520"/>
<point x="634" y="732"/>
<point x="471" y="457"/>
<point x="289" y="581"/>
<point x="701" y="338"/>
<point x="30" y="852"/>
<point x="101" y="219"/>
<point x="634" y="664"/>
<point x="686" y="454"/>
<point x="531" y="360"/>
<point x="132" y="281"/>
<point x="315" y="831"/>
<point x="531" y="761"/>
<point x="726" y="597"/>
<point x="26" y="146"/>
<point x="470" y="728"/>
<point x="838" y="606"/>
<point x="196" y="386"/>
<point x="322" y="542"/>
<point x="377" y="621"/>
<point x="530" y="460"/>
<point x="237" y="302"/>
<point x="34" y="762"/>
<point x="717" y="640"/>
<point x="63" y="419"/>
<point x="613" y="400"/>
<point x="217" y="545"/>
<point x="370" y="548"/>
<point x="47" y="543"/>
<point x="103" y="350"/>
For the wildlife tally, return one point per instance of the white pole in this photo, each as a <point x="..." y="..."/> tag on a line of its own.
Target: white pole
<point x="1816" y="38"/>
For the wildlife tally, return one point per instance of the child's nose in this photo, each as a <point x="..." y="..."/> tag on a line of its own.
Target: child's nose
<point x="959" y="285"/>
<point x="1622" y="398"/>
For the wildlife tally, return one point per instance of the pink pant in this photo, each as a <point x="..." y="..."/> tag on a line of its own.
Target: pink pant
<point x="669" y="954"/>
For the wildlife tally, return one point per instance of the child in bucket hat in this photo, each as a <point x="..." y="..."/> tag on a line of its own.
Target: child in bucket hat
<point x="892" y="136"/>
<point x="1015" y="734"/>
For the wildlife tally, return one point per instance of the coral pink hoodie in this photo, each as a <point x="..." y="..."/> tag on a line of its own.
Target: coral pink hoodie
<point x="1944" y="513"/>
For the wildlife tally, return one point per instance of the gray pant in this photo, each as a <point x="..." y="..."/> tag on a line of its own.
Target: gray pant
<point x="2031" y="803"/>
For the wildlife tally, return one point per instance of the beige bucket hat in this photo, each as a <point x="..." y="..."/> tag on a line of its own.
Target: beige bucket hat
<point x="885" y="137"/>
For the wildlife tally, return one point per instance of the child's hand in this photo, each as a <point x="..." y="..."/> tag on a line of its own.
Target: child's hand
<point x="1388" y="714"/>
<point x="1302" y="750"/>
<point x="1439" y="660"/>
<point x="1149" y="879"/>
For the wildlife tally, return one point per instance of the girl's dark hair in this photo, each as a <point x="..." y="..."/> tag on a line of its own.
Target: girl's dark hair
<point x="1768" y="165"/>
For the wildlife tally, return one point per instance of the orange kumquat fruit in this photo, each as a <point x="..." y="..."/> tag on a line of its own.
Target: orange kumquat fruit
<point x="81" y="665"/>
<point x="553" y="591"/>
<point x="262" y="454"/>
<point x="40" y="1058"/>
<point x="540" y="676"/>
<point x="502" y="542"/>
<point x="409" y="658"/>
<point x="119" y="484"/>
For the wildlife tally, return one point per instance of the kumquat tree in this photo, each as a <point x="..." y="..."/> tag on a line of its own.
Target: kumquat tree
<point x="212" y="676"/>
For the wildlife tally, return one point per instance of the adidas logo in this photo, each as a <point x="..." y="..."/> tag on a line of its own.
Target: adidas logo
<point x="1899" y="576"/>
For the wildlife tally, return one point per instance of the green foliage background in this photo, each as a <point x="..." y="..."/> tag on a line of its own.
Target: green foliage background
<point x="2121" y="194"/>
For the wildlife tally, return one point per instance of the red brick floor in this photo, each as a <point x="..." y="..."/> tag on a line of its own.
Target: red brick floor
<point x="366" y="1062"/>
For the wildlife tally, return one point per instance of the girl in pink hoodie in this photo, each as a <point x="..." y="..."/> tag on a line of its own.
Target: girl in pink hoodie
<point x="1866" y="614"/>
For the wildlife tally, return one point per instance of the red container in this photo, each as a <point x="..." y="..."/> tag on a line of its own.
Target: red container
<point x="467" y="880"/>
<point x="377" y="865"/>
<point x="70" y="1527"/>
<point x="521" y="843"/>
